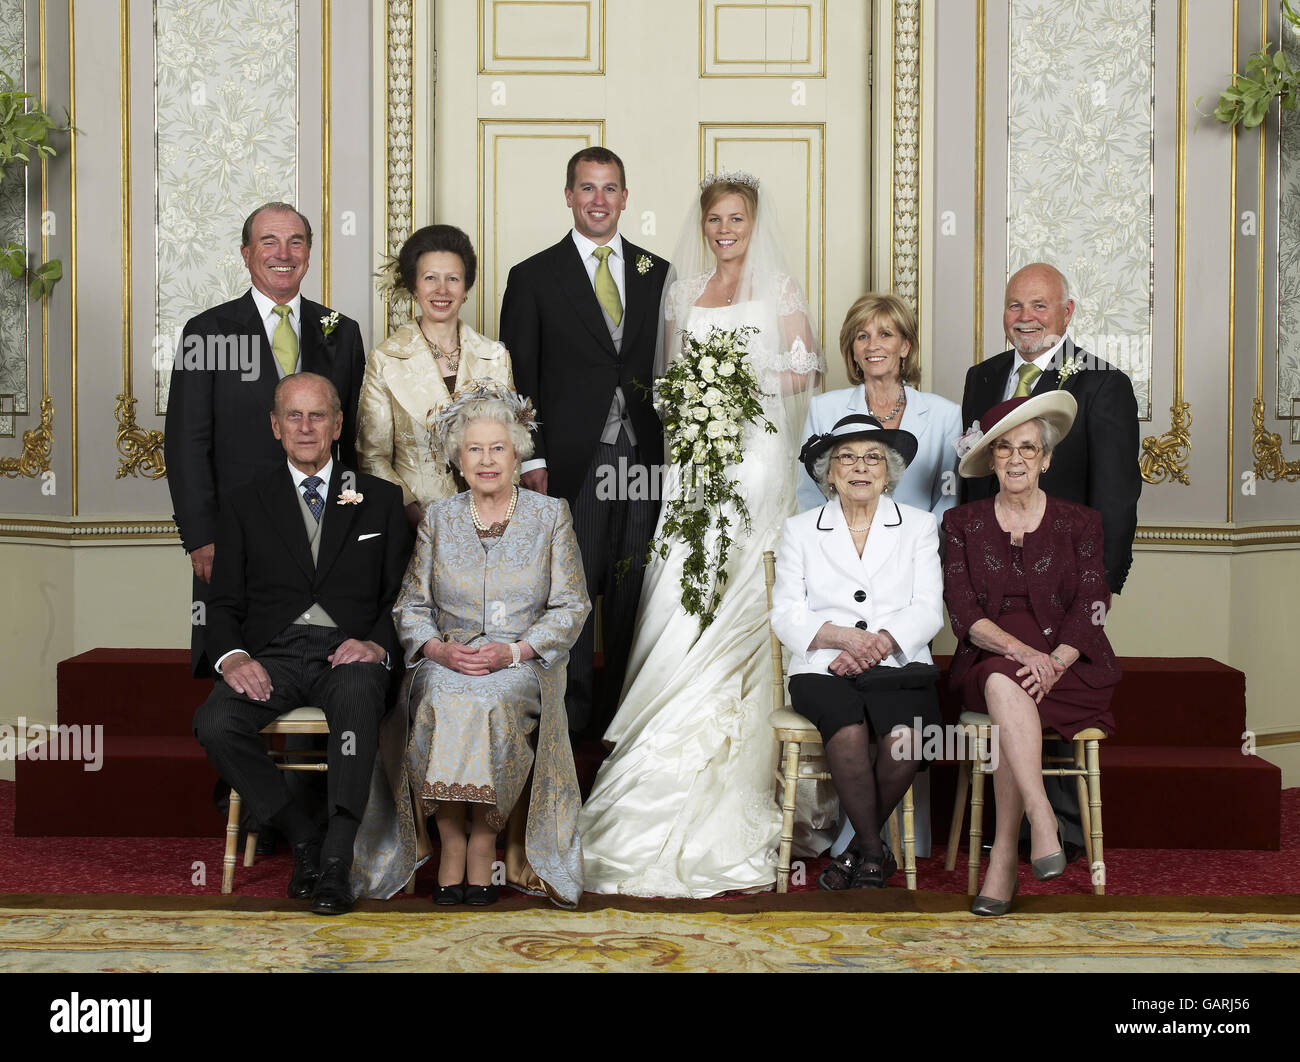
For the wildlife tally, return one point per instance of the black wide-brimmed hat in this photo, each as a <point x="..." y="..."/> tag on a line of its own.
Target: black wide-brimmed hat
<point x="857" y="426"/>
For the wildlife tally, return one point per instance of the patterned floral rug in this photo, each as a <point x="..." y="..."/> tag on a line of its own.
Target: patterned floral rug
<point x="1140" y="935"/>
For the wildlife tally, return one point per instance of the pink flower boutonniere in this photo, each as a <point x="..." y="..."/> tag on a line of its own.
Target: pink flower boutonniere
<point x="968" y="440"/>
<point x="351" y="497"/>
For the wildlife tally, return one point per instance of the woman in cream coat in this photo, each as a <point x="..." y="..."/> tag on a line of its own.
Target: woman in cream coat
<point x="412" y="375"/>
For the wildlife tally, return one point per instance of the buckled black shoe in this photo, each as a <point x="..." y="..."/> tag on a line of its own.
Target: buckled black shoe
<point x="306" y="870"/>
<point x="333" y="893"/>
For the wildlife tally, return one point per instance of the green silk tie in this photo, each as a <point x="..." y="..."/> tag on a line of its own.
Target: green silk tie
<point x="1029" y="374"/>
<point x="606" y="289"/>
<point x="284" y="344"/>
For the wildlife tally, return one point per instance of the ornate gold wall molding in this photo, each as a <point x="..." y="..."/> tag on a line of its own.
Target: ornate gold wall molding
<point x="141" y="450"/>
<point x="1165" y="457"/>
<point x="1266" y="448"/>
<point x="38" y="446"/>
<point x="904" y="226"/>
<point x="399" y="58"/>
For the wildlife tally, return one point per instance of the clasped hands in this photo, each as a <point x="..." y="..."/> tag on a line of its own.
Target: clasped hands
<point x="245" y="675"/>
<point x="1039" y="673"/>
<point x="861" y="650"/>
<point x="489" y="657"/>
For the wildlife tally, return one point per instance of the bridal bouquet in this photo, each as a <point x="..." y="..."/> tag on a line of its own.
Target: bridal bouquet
<point x="705" y="400"/>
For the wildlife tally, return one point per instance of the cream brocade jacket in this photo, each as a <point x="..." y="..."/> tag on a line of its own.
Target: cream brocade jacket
<point x="402" y="386"/>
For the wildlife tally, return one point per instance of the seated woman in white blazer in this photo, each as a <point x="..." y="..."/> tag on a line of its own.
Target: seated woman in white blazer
<point x="878" y="342"/>
<point x="858" y="596"/>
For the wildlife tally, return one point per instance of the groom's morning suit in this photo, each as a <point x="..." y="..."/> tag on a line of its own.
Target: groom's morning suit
<point x="218" y="437"/>
<point x="589" y="378"/>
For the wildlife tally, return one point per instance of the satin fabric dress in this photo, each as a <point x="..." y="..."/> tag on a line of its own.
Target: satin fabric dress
<point x="685" y="804"/>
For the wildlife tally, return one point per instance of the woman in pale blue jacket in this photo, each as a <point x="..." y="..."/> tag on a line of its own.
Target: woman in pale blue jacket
<point x="881" y="353"/>
<point x="879" y="343"/>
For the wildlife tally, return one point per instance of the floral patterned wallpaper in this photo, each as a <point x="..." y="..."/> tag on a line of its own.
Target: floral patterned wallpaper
<point x="1080" y="167"/>
<point x="226" y="113"/>
<point x="1288" y="247"/>
<point x="13" y="226"/>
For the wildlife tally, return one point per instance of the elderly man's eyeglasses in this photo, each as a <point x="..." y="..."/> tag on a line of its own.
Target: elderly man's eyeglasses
<point x="850" y="460"/>
<point x="1028" y="450"/>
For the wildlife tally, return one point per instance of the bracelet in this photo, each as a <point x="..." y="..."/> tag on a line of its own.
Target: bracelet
<point x="1058" y="660"/>
<point x="514" y="655"/>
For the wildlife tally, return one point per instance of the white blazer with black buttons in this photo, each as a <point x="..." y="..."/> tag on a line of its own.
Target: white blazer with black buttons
<point x="896" y="585"/>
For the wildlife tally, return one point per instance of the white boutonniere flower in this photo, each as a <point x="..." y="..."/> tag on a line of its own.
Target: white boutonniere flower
<point x="350" y="497"/>
<point x="969" y="438"/>
<point x="327" y="324"/>
<point x="1067" y="370"/>
<point x="643" y="264"/>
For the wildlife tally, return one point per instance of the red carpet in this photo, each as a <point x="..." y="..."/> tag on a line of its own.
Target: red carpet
<point x="167" y="866"/>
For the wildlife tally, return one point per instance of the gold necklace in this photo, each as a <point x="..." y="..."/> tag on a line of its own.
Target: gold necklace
<point x="497" y="529"/>
<point x="452" y="356"/>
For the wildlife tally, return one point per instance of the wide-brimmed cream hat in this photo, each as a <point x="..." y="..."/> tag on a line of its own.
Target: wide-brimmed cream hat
<point x="975" y="446"/>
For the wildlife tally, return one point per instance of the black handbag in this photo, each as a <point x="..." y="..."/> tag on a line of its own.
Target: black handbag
<point x="913" y="676"/>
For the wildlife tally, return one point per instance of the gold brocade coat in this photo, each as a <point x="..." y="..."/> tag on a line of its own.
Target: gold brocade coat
<point x="402" y="386"/>
<point x="530" y="588"/>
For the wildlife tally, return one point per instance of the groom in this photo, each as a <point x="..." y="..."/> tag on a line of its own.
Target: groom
<point x="580" y="320"/>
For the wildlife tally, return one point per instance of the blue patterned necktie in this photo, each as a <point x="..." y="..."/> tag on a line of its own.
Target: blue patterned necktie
<point x="309" y="495"/>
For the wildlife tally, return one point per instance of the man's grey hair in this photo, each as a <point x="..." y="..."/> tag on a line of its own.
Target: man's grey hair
<point x="895" y="466"/>
<point x="489" y="409"/>
<point x="336" y="406"/>
<point x="247" y="234"/>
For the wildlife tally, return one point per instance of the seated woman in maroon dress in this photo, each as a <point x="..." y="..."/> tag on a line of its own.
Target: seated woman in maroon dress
<point x="1026" y="591"/>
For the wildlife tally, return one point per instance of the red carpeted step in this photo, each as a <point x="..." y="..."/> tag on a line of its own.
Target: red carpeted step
<point x="1179" y="797"/>
<point x="146" y="787"/>
<point x="131" y="691"/>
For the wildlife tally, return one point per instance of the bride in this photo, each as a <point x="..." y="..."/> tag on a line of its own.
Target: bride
<point x="684" y="805"/>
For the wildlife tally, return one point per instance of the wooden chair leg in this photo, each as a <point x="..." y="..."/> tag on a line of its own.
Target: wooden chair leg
<point x="976" y="812"/>
<point x="895" y="829"/>
<point x="250" y="849"/>
<point x="232" y="845"/>
<point x="958" y="815"/>
<point x="790" y="780"/>
<point x="909" y="839"/>
<point x="1081" y="791"/>
<point x="1097" y="859"/>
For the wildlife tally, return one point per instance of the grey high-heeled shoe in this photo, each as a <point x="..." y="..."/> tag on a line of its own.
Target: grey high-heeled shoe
<point x="985" y="905"/>
<point x="1050" y="866"/>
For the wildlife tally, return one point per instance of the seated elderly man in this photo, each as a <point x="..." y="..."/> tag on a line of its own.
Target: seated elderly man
<point x="858" y="596"/>
<point x="308" y="563"/>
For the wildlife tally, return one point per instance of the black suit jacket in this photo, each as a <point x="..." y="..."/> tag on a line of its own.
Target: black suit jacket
<point x="1096" y="464"/>
<point x="218" y="419"/>
<point x="565" y="361"/>
<point x="263" y="577"/>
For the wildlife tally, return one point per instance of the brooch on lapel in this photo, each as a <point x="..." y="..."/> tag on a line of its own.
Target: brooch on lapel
<point x="351" y="497"/>
<point x="327" y="325"/>
<point x="643" y="264"/>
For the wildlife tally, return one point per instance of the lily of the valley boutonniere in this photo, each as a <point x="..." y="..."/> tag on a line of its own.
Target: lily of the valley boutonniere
<point x="327" y="324"/>
<point x="351" y="497"/>
<point x="1067" y="370"/>
<point x="643" y="264"/>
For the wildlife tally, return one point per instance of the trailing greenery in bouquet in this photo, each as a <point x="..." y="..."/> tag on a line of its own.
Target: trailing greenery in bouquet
<point x="705" y="400"/>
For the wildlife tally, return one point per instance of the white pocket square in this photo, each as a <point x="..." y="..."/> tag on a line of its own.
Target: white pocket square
<point x="373" y="534"/>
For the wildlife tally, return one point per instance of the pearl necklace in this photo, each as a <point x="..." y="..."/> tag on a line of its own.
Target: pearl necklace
<point x="893" y="412"/>
<point x="497" y="529"/>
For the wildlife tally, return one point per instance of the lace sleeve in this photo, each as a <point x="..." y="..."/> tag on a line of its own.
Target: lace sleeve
<point x="799" y="352"/>
<point x="681" y="296"/>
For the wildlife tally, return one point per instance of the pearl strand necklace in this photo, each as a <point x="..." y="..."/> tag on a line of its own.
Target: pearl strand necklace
<point x="497" y="529"/>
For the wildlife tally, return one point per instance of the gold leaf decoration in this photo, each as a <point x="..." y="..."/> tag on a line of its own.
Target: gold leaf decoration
<point x="1164" y="457"/>
<point x="1266" y="448"/>
<point x="142" y="451"/>
<point x="38" y="445"/>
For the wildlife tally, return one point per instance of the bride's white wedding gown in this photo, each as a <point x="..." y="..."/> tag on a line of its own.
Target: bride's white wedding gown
<point x="685" y="804"/>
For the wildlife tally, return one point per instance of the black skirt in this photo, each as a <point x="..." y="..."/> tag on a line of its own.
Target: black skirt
<point x="833" y="701"/>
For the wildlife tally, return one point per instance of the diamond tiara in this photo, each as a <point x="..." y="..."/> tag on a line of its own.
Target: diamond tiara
<point x="732" y="176"/>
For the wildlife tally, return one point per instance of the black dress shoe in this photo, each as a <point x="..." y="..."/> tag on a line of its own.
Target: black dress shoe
<point x="480" y="895"/>
<point x="333" y="893"/>
<point x="268" y="840"/>
<point x="306" y="870"/>
<point x="449" y="895"/>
